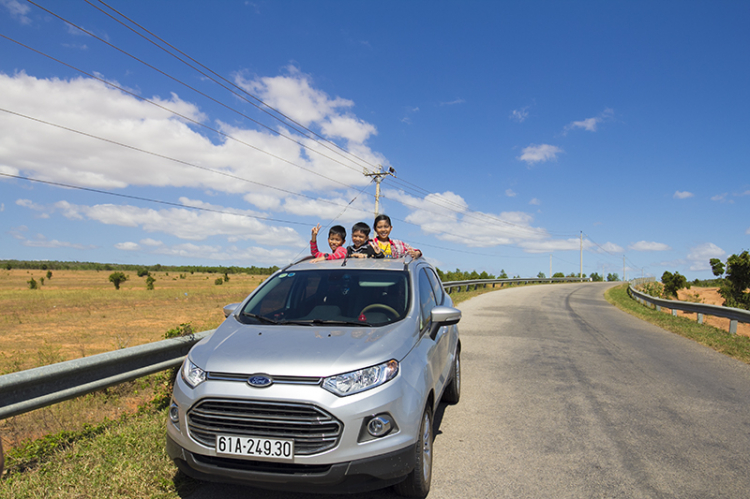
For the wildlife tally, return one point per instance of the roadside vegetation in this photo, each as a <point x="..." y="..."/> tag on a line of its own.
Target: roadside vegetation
<point x="735" y="346"/>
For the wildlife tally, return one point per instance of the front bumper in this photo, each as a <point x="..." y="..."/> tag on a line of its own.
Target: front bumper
<point x="354" y="476"/>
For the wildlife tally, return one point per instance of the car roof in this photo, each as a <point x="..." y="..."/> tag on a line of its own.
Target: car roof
<point x="386" y="264"/>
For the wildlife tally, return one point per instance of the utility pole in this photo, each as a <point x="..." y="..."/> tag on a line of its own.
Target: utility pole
<point x="550" y="265"/>
<point x="581" y="274"/>
<point x="379" y="178"/>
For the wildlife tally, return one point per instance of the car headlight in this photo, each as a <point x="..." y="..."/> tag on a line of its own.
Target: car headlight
<point x="192" y="374"/>
<point x="362" y="379"/>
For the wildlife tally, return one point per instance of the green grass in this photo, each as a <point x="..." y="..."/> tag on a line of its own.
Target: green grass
<point x="125" y="458"/>
<point x="734" y="346"/>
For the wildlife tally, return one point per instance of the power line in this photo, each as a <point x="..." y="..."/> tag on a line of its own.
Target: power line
<point x="195" y="122"/>
<point x="264" y="107"/>
<point x="177" y="80"/>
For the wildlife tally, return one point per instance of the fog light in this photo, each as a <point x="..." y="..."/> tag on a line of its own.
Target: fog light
<point x="379" y="425"/>
<point x="174" y="414"/>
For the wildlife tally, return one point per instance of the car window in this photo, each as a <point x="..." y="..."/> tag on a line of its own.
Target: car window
<point x="437" y="285"/>
<point x="357" y="296"/>
<point x="426" y="299"/>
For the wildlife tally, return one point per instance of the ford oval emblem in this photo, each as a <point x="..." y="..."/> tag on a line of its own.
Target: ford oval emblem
<point x="259" y="381"/>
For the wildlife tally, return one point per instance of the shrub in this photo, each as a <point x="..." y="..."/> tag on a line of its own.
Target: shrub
<point x="150" y="283"/>
<point x="33" y="284"/>
<point x="219" y="281"/>
<point x="49" y="274"/>
<point x="673" y="282"/>
<point x="117" y="278"/>
<point x="143" y="272"/>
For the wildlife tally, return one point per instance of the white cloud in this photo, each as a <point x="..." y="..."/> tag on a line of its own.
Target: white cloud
<point x="92" y="107"/>
<point x="722" y="198"/>
<point x="259" y="256"/>
<point x="510" y="193"/>
<point x="128" y="246"/>
<point x="609" y="248"/>
<point x="185" y="223"/>
<point x="150" y="242"/>
<point x="447" y="216"/>
<point x="590" y="124"/>
<point x="535" y="202"/>
<point x="682" y="195"/>
<point x="453" y="102"/>
<point x="17" y="10"/>
<point x="648" y="246"/>
<point x="41" y="241"/>
<point x="539" y="153"/>
<point x="699" y="256"/>
<point x="519" y="115"/>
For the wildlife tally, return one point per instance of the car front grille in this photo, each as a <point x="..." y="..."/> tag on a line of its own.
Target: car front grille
<point x="312" y="429"/>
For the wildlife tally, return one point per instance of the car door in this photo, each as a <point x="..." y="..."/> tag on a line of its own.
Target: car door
<point x="438" y="354"/>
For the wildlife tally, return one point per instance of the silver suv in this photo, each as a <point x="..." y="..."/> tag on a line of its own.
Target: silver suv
<point x="325" y="378"/>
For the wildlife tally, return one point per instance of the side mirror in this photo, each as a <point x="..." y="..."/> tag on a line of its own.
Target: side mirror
<point x="443" y="316"/>
<point x="229" y="309"/>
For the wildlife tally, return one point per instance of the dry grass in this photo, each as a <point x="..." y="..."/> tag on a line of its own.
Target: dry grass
<point x="79" y="313"/>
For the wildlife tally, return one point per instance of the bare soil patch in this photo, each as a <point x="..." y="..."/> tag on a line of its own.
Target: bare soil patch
<point x="709" y="296"/>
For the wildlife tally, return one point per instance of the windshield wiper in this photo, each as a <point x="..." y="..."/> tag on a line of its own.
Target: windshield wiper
<point x="322" y="322"/>
<point x="264" y="320"/>
<point x="342" y="323"/>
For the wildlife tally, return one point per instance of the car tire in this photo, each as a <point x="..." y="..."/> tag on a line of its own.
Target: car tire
<point x="417" y="483"/>
<point x="452" y="393"/>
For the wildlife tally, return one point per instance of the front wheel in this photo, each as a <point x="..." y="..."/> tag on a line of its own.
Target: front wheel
<point x="417" y="483"/>
<point x="452" y="393"/>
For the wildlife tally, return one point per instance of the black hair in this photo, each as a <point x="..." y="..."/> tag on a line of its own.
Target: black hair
<point x="361" y="227"/>
<point x="339" y="231"/>
<point x="383" y="216"/>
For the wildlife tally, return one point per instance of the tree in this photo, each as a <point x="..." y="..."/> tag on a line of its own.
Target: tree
<point x="150" y="283"/>
<point x="736" y="281"/>
<point x="541" y="275"/>
<point x="143" y="272"/>
<point x="613" y="277"/>
<point x="673" y="282"/>
<point x="49" y="274"/>
<point x="716" y="267"/>
<point x="558" y="274"/>
<point x="117" y="278"/>
<point x="33" y="284"/>
<point x="502" y="275"/>
<point x="596" y="277"/>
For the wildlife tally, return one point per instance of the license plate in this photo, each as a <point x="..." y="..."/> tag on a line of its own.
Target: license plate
<point x="256" y="447"/>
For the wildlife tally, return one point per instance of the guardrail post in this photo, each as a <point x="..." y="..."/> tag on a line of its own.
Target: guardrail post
<point x="658" y="308"/>
<point x="700" y="318"/>
<point x="674" y="312"/>
<point x="2" y="458"/>
<point x="733" y="326"/>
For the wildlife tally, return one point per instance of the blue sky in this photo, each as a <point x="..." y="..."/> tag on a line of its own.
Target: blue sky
<point x="513" y="127"/>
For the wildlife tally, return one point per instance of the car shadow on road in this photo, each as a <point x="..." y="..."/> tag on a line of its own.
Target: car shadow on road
<point x="189" y="488"/>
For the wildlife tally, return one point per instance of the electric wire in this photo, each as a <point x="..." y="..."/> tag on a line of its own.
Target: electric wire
<point x="191" y="120"/>
<point x="188" y="86"/>
<point x="264" y="108"/>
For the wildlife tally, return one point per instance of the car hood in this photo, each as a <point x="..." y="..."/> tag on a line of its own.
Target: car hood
<point x="301" y="350"/>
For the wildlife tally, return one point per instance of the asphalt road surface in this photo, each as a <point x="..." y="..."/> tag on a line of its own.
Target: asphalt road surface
<point x="564" y="396"/>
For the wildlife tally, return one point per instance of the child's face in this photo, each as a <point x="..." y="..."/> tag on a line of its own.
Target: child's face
<point x="383" y="229"/>
<point x="334" y="241"/>
<point x="358" y="238"/>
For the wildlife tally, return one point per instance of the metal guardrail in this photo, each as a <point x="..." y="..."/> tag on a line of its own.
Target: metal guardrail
<point x="448" y="286"/>
<point x="734" y="315"/>
<point x="25" y="391"/>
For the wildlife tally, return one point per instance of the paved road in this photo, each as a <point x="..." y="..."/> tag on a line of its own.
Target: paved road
<point x="565" y="396"/>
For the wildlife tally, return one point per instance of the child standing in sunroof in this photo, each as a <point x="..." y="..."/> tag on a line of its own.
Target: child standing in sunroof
<point x="336" y="240"/>
<point x="361" y="247"/>
<point x="391" y="248"/>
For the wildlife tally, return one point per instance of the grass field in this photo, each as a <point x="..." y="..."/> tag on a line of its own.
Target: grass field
<point x="79" y="313"/>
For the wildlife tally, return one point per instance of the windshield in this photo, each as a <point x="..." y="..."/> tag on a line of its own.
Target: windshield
<point x="337" y="297"/>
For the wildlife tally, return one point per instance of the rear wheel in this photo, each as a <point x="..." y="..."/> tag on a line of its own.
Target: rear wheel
<point x="417" y="483"/>
<point x="452" y="392"/>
